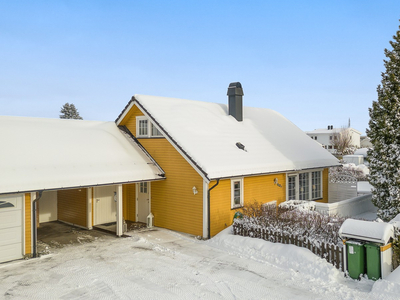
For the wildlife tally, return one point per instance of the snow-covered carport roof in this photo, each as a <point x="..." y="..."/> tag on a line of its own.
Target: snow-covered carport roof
<point x="51" y="154"/>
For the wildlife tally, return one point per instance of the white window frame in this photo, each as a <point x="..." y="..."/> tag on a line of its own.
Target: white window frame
<point x="233" y="181"/>
<point x="310" y="184"/>
<point x="150" y="127"/>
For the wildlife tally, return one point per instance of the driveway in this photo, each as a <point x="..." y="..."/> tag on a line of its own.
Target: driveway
<point x="161" y="264"/>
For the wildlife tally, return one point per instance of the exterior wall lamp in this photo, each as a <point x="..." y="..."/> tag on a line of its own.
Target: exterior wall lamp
<point x="194" y="190"/>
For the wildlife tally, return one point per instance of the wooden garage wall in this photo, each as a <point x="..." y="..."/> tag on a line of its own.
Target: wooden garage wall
<point x="256" y="188"/>
<point x="28" y="224"/>
<point x="129" y="201"/>
<point x="72" y="206"/>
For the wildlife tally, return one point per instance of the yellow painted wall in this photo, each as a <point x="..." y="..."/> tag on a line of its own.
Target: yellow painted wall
<point x="72" y="206"/>
<point x="325" y="179"/>
<point x="28" y="224"/>
<point x="129" y="201"/>
<point x="173" y="203"/>
<point x="256" y="188"/>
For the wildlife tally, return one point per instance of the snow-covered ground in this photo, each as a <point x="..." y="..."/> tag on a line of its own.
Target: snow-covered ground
<point x="161" y="264"/>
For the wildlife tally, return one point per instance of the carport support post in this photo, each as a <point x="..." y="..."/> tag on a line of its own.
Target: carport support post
<point x="34" y="221"/>
<point x="120" y="220"/>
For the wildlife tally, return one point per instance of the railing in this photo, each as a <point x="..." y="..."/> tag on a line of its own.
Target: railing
<point x="332" y="253"/>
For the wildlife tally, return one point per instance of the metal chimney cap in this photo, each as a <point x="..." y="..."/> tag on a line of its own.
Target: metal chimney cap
<point x="235" y="89"/>
<point x="235" y="84"/>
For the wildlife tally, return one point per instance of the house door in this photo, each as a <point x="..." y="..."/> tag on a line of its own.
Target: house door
<point x="292" y="187"/>
<point x="10" y="227"/>
<point x="105" y="206"/>
<point x="143" y="201"/>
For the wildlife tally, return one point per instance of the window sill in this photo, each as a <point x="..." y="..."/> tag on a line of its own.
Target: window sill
<point x="236" y="207"/>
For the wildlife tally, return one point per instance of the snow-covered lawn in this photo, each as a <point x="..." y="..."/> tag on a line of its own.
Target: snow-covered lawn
<point x="161" y="264"/>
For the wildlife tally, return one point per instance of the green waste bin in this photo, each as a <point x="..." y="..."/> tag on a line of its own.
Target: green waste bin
<point x="355" y="259"/>
<point x="373" y="255"/>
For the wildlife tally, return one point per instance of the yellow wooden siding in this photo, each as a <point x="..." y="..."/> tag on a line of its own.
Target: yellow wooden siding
<point x="256" y="188"/>
<point x="129" y="201"/>
<point x="28" y="224"/>
<point x="325" y="183"/>
<point x="130" y="119"/>
<point x="72" y="206"/>
<point x="173" y="203"/>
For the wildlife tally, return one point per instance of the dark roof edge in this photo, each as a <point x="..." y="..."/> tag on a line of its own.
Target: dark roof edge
<point x="270" y="173"/>
<point x="170" y="137"/>
<point x="80" y="186"/>
<point x="135" y="140"/>
<point x="125" y="108"/>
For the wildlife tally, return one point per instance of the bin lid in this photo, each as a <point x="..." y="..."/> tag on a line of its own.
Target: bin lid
<point x="377" y="232"/>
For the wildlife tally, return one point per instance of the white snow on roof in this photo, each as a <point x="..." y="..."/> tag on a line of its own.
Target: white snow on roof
<point x="209" y="135"/>
<point x="361" y="151"/>
<point x="38" y="153"/>
<point x="366" y="231"/>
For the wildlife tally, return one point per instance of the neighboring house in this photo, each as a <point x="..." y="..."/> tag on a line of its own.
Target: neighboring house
<point x="365" y="142"/>
<point x="80" y="172"/>
<point x="217" y="157"/>
<point x="326" y="136"/>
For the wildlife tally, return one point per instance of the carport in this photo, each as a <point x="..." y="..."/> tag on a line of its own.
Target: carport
<point x="72" y="165"/>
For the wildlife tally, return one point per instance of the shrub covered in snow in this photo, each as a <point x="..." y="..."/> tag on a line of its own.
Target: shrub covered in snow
<point x="359" y="172"/>
<point x="295" y="218"/>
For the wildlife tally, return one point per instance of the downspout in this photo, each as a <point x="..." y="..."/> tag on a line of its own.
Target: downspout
<point x="34" y="238"/>
<point x="208" y="208"/>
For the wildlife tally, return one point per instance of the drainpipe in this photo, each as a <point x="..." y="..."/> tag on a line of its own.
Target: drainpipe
<point x="34" y="238"/>
<point x="208" y="207"/>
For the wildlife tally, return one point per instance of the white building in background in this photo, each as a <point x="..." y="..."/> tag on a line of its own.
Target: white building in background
<point x="325" y="136"/>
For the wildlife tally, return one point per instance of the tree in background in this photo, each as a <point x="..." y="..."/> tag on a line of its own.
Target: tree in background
<point x="341" y="141"/>
<point x="69" y="111"/>
<point x="384" y="132"/>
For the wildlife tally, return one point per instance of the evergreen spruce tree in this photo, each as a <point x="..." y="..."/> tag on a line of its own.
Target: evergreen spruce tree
<point x="69" y="111"/>
<point x="384" y="132"/>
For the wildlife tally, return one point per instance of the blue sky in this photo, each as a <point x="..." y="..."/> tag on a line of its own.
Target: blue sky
<point x="316" y="62"/>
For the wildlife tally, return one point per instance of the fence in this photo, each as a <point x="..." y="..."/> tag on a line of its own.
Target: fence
<point x="342" y="187"/>
<point x="332" y="253"/>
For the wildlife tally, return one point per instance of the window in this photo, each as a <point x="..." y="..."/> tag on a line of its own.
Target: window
<point x="144" y="128"/>
<point x="155" y="131"/>
<point x="304" y="186"/>
<point x="316" y="187"/>
<point x="315" y="137"/>
<point x="143" y="187"/>
<point x="237" y="192"/>
<point x="330" y="137"/>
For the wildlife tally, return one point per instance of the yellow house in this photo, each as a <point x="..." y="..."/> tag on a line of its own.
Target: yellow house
<point x="218" y="157"/>
<point x="83" y="173"/>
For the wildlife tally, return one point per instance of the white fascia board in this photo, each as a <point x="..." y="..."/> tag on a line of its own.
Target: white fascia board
<point x="166" y="136"/>
<point x="127" y="109"/>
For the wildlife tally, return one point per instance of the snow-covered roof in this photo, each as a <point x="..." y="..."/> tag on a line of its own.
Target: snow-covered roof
<point x="377" y="232"/>
<point x="42" y="154"/>
<point x="208" y="135"/>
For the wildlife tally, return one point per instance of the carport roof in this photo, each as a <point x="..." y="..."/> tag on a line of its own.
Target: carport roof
<point x="51" y="154"/>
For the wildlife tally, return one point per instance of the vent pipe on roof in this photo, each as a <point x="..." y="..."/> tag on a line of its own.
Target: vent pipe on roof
<point x="235" y="97"/>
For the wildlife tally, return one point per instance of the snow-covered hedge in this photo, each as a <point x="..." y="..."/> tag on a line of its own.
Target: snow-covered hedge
<point x="297" y="218"/>
<point x="359" y="172"/>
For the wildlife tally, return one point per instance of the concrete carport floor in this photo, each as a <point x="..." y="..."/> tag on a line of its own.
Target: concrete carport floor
<point x="57" y="234"/>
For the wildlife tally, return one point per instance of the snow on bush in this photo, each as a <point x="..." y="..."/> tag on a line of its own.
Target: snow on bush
<point x="297" y="218"/>
<point x="359" y="172"/>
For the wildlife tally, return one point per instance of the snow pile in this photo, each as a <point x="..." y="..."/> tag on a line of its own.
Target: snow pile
<point x="388" y="288"/>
